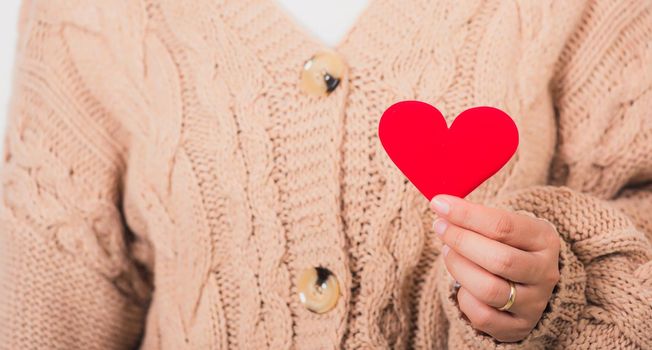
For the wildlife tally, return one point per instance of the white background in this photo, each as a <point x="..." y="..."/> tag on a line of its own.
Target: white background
<point x="8" y="23"/>
<point x="329" y="20"/>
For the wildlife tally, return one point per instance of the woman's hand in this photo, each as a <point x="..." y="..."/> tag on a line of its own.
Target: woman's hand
<point x="487" y="247"/>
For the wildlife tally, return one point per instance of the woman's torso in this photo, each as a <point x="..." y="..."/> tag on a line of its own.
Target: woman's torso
<point x="239" y="181"/>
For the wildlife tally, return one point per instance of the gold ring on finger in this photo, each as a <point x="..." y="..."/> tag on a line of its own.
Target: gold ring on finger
<point x="512" y="297"/>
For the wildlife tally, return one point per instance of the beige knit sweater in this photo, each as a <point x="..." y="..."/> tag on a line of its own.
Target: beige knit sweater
<point x="164" y="179"/>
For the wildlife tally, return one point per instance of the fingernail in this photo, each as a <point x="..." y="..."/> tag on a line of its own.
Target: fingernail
<point x="440" y="205"/>
<point x="439" y="226"/>
<point x="445" y="249"/>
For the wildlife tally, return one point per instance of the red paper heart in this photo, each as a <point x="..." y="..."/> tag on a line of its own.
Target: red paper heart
<point x="439" y="160"/>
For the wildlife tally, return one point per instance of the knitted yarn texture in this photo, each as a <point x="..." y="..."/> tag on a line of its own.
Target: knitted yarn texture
<point x="165" y="181"/>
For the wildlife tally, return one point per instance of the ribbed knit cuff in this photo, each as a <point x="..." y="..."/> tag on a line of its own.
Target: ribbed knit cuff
<point x="568" y="298"/>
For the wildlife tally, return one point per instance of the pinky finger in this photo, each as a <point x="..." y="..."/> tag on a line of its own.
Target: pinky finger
<point x="502" y="326"/>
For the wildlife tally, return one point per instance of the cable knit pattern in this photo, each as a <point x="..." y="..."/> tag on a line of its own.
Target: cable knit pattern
<point x="165" y="181"/>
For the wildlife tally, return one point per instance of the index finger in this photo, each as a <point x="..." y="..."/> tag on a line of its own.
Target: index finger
<point x="514" y="229"/>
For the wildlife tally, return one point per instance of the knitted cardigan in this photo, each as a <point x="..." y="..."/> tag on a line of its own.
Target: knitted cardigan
<point x="165" y="179"/>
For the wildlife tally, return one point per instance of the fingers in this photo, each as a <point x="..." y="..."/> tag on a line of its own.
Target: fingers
<point x="496" y="257"/>
<point x="514" y="229"/>
<point x="491" y="289"/>
<point x="487" y="247"/>
<point x="485" y="286"/>
<point x="501" y="325"/>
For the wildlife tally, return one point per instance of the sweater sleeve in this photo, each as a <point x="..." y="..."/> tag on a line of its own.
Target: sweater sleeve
<point x="68" y="281"/>
<point x="599" y="197"/>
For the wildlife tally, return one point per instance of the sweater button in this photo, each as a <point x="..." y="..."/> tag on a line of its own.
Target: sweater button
<point x="322" y="73"/>
<point x="318" y="289"/>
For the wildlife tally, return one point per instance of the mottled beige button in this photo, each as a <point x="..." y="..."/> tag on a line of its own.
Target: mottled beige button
<point x="318" y="289"/>
<point x="322" y="73"/>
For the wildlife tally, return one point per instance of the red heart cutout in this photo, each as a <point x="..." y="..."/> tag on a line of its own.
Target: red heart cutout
<point x="439" y="160"/>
